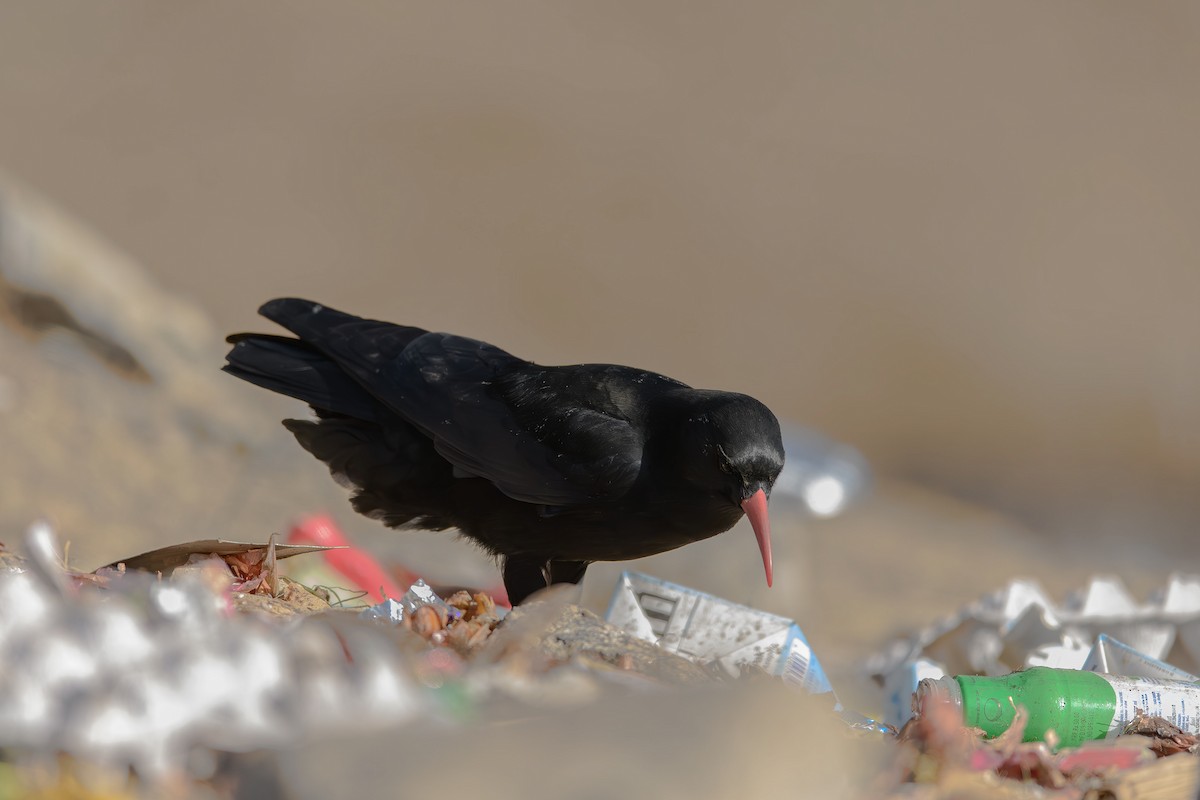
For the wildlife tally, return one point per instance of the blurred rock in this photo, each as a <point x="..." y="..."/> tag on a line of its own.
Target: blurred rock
<point x="56" y="278"/>
<point x="114" y="420"/>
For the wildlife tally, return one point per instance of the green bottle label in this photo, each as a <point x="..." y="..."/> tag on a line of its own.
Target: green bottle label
<point x="1076" y="705"/>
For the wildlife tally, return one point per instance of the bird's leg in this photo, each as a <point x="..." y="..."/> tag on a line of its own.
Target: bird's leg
<point x="523" y="575"/>
<point x="567" y="571"/>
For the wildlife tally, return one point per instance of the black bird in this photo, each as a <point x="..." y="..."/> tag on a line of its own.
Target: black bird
<point x="547" y="468"/>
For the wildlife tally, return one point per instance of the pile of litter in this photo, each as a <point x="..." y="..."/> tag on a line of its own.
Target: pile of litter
<point x="144" y="677"/>
<point x="1062" y="677"/>
<point x="122" y="668"/>
<point x="1100" y="627"/>
<point x="162" y="662"/>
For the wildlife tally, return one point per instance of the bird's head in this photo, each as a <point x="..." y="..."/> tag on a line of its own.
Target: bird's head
<point x="736" y="452"/>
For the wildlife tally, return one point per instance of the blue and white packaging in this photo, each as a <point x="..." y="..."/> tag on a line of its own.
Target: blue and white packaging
<point x="713" y="631"/>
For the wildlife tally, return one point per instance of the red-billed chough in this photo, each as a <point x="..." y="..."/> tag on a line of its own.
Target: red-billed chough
<point x="548" y="468"/>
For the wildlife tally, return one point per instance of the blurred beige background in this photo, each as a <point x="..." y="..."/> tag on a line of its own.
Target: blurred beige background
<point x="960" y="237"/>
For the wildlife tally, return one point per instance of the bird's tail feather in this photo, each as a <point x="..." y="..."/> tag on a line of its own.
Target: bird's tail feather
<point x="297" y="369"/>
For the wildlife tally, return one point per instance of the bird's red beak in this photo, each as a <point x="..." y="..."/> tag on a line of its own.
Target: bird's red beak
<point x="755" y="507"/>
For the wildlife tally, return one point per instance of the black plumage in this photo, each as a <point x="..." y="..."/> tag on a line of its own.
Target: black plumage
<point x="548" y="468"/>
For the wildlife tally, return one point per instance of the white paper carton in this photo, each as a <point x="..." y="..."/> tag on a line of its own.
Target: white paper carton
<point x="713" y="631"/>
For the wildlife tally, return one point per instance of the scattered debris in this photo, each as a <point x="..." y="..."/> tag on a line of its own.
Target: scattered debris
<point x="354" y="568"/>
<point x="214" y="650"/>
<point x="167" y="559"/>
<point x="133" y="672"/>
<point x="1019" y="627"/>
<point x="139" y="670"/>
<point x="1166" y="738"/>
<point x="1072" y="730"/>
<point x="939" y="751"/>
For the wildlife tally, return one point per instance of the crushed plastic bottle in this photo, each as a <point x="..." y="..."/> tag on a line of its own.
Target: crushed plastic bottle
<point x="1077" y="705"/>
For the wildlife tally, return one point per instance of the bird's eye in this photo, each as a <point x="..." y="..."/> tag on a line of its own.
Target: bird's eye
<point x="723" y="460"/>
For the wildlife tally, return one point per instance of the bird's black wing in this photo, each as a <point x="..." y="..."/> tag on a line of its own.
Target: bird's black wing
<point x="514" y="423"/>
<point x="536" y="434"/>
